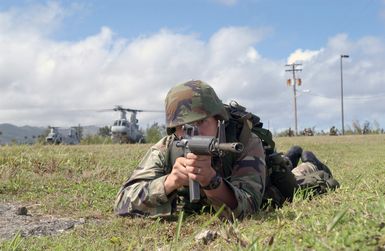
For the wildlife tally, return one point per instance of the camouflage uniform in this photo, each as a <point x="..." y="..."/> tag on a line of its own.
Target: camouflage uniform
<point x="311" y="173"/>
<point x="245" y="174"/>
<point x="304" y="168"/>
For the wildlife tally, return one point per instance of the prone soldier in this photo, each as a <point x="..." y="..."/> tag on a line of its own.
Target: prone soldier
<point x="238" y="180"/>
<point x="159" y="185"/>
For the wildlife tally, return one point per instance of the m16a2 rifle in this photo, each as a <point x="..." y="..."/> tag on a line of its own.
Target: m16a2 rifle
<point x="204" y="145"/>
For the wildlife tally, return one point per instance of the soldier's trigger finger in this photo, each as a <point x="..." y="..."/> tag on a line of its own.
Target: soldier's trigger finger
<point x="191" y="156"/>
<point x="181" y="161"/>
<point x="197" y="162"/>
<point x="181" y="176"/>
<point x="181" y="169"/>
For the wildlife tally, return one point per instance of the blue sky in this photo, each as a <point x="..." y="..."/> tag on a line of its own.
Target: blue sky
<point x="289" y="24"/>
<point x="59" y="55"/>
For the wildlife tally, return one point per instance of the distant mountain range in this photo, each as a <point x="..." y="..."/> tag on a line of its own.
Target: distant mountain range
<point x="29" y="134"/>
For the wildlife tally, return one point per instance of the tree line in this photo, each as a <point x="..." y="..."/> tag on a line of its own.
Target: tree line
<point x="356" y="128"/>
<point x="155" y="132"/>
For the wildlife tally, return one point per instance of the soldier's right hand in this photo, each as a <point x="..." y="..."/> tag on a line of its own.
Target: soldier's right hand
<point x="178" y="176"/>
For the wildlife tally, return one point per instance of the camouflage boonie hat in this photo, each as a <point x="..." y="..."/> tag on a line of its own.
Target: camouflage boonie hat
<point x="192" y="101"/>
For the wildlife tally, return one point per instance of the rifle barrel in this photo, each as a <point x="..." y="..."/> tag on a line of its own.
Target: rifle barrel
<point x="235" y="147"/>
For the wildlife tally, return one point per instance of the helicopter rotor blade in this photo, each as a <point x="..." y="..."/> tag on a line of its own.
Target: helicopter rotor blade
<point x="132" y="110"/>
<point x="141" y="110"/>
<point x="151" y="111"/>
<point x="120" y="108"/>
<point x="105" y="110"/>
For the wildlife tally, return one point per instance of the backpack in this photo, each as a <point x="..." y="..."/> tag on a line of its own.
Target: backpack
<point x="280" y="181"/>
<point x="281" y="184"/>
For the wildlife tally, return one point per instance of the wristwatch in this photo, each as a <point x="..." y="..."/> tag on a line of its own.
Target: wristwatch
<point x="215" y="182"/>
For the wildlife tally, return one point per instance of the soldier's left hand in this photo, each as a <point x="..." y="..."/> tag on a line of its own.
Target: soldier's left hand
<point x="199" y="168"/>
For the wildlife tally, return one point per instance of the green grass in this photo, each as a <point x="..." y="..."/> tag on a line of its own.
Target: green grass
<point x="82" y="181"/>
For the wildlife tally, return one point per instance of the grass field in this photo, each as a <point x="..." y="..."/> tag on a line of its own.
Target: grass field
<point x="82" y="181"/>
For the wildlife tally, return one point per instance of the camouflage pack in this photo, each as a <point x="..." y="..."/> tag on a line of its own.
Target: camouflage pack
<point x="281" y="183"/>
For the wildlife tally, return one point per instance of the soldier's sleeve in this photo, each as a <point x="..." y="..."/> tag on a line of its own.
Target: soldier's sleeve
<point x="143" y="193"/>
<point x="247" y="180"/>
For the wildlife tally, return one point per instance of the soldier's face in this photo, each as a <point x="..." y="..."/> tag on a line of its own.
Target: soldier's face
<point x="206" y="127"/>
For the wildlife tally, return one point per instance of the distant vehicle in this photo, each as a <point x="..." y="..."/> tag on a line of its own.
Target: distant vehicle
<point x="70" y="136"/>
<point x="333" y="131"/>
<point x="53" y="137"/>
<point x="124" y="131"/>
<point x="307" y="132"/>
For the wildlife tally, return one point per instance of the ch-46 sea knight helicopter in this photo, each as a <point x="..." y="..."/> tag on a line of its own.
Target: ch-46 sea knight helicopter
<point x="68" y="136"/>
<point x="124" y="131"/>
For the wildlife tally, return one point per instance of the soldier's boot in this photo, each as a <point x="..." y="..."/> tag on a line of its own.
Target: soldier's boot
<point x="294" y="154"/>
<point x="332" y="183"/>
<point x="308" y="156"/>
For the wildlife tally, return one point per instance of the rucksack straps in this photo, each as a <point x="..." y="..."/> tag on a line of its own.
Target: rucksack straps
<point x="247" y="123"/>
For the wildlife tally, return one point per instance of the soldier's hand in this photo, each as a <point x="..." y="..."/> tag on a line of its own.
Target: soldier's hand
<point x="178" y="176"/>
<point x="199" y="168"/>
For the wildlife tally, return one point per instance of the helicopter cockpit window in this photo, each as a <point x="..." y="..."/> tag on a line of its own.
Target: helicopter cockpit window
<point x="124" y="123"/>
<point x="116" y="123"/>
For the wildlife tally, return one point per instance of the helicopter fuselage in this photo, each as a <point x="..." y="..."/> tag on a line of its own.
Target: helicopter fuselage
<point x="53" y="138"/>
<point x="122" y="131"/>
<point x="56" y="137"/>
<point x="127" y="131"/>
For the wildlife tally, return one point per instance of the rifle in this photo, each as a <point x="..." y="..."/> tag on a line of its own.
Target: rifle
<point x="204" y="145"/>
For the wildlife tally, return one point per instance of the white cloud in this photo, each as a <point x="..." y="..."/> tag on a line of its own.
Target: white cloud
<point x="232" y="44"/>
<point x="30" y="21"/>
<point x="301" y="55"/>
<point x="44" y="81"/>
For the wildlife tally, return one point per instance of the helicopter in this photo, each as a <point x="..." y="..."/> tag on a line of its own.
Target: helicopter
<point x="124" y="131"/>
<point x="56" y="137"/>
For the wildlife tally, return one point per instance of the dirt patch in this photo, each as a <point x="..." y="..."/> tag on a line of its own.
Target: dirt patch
<point x="17" y="218"/>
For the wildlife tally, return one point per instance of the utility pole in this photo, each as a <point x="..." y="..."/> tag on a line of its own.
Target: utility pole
<point x="342" y="94"/>
<point x="293" y="69"/>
